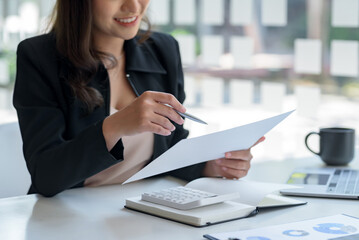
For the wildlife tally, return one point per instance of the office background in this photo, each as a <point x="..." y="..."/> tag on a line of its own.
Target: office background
<point x="244" y="60"/>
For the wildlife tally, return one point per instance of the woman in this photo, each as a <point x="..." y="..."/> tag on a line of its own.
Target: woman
<point x="90" y="99"/>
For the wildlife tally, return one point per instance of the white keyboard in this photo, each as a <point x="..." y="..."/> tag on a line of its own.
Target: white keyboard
<point x="184" y="198"/>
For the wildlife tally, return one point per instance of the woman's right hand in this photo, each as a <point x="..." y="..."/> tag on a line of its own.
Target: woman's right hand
<point x="147" y="113"/>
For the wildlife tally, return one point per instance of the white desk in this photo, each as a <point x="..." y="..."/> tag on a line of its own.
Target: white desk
<point x="98" y="213"/>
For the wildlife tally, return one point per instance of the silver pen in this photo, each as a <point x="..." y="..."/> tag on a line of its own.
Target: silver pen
<point x="187" y="115"/>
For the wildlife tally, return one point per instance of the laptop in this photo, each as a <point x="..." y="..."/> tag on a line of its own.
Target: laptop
<point x="324" y="182"/>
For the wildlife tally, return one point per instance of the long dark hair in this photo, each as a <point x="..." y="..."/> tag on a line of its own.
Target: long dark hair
<point x="71" y="22"/>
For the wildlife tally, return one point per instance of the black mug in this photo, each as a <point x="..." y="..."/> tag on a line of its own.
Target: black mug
<point x="336" y="145"/>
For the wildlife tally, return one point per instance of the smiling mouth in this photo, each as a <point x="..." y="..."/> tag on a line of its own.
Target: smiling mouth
<point x="126" y="20"/>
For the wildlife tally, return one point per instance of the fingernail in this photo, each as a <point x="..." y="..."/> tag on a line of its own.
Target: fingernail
<point x="228" y="155"/>
<point x="173" y="128"/>
<point x="219" y="161"/>
<point x="224" y="168"/>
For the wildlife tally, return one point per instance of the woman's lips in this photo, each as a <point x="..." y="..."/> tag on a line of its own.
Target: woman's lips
<point x="126" y="21"/>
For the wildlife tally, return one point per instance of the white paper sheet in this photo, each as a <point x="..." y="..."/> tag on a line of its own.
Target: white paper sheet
<point x="213" y="12"/>
<point x="241" y="12"/>
<point x="4" y="71"/>
<point x="241" y="93"/>
<point x="190" y="88"/>
<point x="46" y="7"/>
<point x="344" y="58"/>
<point x="159" y="12"/>
<point x="212" y="49"/>
<point x="274" y="13"/>
<point x="187" y="44"/>
<point x="308" y="100"/>
<point x="5" y="99"/>
<point x="272" y="96"/>
<point x="185" y="12"/>
<point x="212" y="146"/>
<point x="345" y="13"/>
<point x="308" y="56"/>
<point x="212" y="90"/>
<point x="325" y="228"/>
<point x="242" y="49"/>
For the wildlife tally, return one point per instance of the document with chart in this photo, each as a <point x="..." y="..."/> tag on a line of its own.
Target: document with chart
<point x="336" y="227"/>
<point x="207" y="147"/>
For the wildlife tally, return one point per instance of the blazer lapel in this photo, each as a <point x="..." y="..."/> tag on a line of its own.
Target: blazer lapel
<point x="140" y="58"/>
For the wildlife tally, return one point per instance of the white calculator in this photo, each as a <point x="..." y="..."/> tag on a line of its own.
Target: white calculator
<point x="184" y="198"/>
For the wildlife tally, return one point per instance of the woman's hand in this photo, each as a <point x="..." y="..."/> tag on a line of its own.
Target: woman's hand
<point x="147" y="113"/>
<point x="235" y="164"/>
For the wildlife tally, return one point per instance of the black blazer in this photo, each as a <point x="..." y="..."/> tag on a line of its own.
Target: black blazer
<point x="62" y="144"/>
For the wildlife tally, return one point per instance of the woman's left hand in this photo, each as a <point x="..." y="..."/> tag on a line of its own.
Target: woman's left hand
<point x="235" y="164"/>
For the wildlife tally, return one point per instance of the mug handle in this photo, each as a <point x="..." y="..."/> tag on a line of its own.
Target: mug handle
<point x="306" y="142"/>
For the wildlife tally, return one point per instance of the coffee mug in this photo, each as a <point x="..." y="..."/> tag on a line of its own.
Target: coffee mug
<point x="336" y="145"/>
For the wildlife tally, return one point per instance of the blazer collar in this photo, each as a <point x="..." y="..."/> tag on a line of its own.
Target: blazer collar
<point x="140" y="57"/>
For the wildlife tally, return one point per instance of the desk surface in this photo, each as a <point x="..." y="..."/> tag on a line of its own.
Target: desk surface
<point x="98" y="213"/>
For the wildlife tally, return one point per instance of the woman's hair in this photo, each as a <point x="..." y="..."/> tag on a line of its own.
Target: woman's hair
<point x="71" y="22"/>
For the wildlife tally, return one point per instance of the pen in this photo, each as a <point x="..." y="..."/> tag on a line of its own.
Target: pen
<point x="189" y="116"/>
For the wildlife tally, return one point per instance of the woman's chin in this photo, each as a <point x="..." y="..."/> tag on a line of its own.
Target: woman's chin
<point x="127" y="36"/>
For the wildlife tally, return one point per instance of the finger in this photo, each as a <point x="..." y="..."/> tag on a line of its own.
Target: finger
<point x="259" y="141"/>
<point x="163" y="122"/>
<point x="233" y="164"/>
<point x="157" y="129"/>
<point x="167" y="99"/>
<point x="241" y="154"/>
<point x="151" y="122"/>
<point x="233" y="173"/>
<point x="168" y="112"/>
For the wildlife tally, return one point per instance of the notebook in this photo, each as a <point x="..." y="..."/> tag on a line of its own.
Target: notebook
<point x="253" y="197"/>
<point x="324" y="182"/>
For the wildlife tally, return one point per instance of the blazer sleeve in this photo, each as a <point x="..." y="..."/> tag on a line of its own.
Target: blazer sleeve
<point x="54" y="163"/>
<point x="194" y="171"/>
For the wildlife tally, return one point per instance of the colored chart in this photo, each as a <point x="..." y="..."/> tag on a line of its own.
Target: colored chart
<point x="334" y="228"/>
<point x="295" y="233"/>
